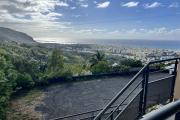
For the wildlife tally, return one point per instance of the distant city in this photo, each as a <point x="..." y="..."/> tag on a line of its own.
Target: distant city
<point x="139" y="53"/>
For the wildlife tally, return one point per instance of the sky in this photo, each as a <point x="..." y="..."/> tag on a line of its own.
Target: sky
<point x="66" y="20"/>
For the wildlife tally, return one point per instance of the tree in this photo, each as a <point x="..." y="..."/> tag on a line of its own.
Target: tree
<point x="100" y="67"/>
<point x="25" y="81"/>
<point x="12" y="77"/>
<point x="3" y="62"/>
<point x="56" y="61"/>
<point x="97" y="57"/>
<point x="5" y="92"/>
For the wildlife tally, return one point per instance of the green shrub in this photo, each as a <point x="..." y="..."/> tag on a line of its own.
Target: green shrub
<point x="121" y="68"/>
<point x="5" y="92"/>
<point x="67" y="74"/>
<point x="131" y="63"/>
<point x="100" y="67"/>
<point x="159" y="66"/>
<point x="25" y="81"/>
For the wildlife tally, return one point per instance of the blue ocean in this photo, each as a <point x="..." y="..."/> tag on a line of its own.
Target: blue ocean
<point x="161" y="44"/>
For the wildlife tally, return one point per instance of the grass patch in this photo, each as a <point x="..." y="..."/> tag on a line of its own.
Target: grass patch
<point x="22" y="106"/>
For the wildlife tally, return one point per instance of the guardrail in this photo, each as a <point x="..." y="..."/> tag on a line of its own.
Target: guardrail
<point x="142" y="92"/>
<point x="164" y="112"/>
<point x="82" y="114"/>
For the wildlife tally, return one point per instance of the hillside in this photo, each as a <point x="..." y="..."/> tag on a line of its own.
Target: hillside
<point x="9" y="35"/>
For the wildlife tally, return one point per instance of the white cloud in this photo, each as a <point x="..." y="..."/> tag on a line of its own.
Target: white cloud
<point x="162" y="33"/>
<point x="174" y="5"/>
<point x="131" y="4"/>
<point x="95" y="2"/>
<point x="35" y="17"/>
<point x="99" y="30"/>
<point x="63" y="4"/>
<point x="153" y="5"/>
<point x="90" y="31"/>
<point x="114" y="32"/>
<point x="72" y="8"/>
<point x="84" y="5"/>
<point x="76" y="16"/>
<point x="103" y="5"/>
<point x="81" y="3"/>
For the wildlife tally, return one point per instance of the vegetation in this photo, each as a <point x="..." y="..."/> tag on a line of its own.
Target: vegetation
<point x="25" y="66"/>
<point x="121" y="68"/>
<point x="100" y="67"/>
<point x="131" y="63"/>
<point x="159" y="65"/>
<point x="22" y="106"/>
<point x="96" y="58"/>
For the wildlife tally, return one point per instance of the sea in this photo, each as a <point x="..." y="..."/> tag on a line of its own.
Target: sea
<point x="160" y="44"/>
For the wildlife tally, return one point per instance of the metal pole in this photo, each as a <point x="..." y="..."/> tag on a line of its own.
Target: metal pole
<point x="145" y="90"/>
<point x="111" y="116"/>
<point x="173" y="81"/>
<point x="142" y="96"/>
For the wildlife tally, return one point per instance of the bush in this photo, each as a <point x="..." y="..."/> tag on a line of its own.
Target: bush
<point x="67" y="74"/>
<point x="24" y="81"/>
<point x="76" y="69"/>
<point x="159" y="66"/>
<point x="131" y="63"/>
<point x="100" y="67"/>
<point x="12" y="76"/>
<point x="5" y="91"/>
<point x="3" y="62"/>
<point x="42" y="80"/>
<point x="121" y="68"/>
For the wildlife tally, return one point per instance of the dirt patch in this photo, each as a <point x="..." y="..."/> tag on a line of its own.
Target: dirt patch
<point x="23" y="107"/>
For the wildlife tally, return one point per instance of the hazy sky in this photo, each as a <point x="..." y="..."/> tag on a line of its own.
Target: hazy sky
<point x="78" y="19"/>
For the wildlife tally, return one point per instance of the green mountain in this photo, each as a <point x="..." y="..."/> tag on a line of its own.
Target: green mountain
<point x="9" y="35"/>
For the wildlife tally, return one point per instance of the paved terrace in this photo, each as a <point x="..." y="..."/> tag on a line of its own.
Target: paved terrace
<point x="72" y="98"/>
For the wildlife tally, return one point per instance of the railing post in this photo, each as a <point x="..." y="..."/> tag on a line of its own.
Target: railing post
<point x="142" y="95"/>
<point x="173" y="81"/>
<point x="111" y="116"/>
<point x="145" y="90"/>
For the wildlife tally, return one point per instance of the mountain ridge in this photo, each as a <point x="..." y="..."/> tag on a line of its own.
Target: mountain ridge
<point x="10" y="35"/>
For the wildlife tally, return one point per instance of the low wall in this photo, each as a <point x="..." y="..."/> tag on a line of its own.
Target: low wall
<point x="95" y="76"/>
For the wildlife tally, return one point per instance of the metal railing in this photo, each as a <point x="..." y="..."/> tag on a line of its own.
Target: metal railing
<point x="144" y="72"/>
<point x="82" y="114"/>
<point x="133" y="97"/>
<point x="164" y="112"/>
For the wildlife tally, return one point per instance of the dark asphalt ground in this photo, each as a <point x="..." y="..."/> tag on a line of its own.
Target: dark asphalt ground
<point x="72" y="98"/>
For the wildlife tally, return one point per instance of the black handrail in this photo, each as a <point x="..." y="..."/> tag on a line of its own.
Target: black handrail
<point x="164" y="112"/>
<point x="145" y="71"/>
<point x="117" y="117"/>
<point x="120" y="93"/>
<point x="124" y="99"/>
<point x="165" y="60"/>
<point x="83" y="113"/>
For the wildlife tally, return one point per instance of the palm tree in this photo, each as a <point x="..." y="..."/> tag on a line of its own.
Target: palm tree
<point x="97" y="57"/>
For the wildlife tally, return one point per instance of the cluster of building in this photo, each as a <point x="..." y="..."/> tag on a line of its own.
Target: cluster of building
<point x="138" y="53"/>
